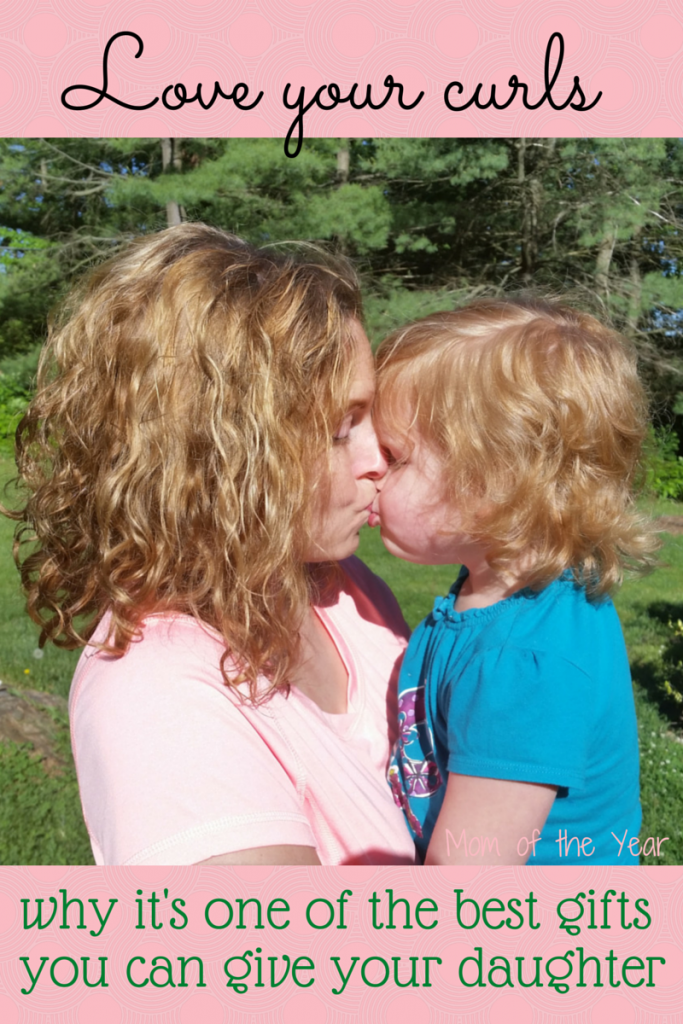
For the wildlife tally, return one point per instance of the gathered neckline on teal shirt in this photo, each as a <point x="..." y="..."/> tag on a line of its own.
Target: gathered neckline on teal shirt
<point x="444" y="607"/>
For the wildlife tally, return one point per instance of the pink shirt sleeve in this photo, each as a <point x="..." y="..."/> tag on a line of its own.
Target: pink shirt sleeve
<point x="168" y="764"/>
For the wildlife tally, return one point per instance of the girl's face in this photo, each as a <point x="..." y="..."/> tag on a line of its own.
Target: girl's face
<point x="415" y="523"/>
<point x="356" y="464"/>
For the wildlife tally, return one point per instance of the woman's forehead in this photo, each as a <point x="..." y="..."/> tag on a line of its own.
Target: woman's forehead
<point x="362" y="390"/>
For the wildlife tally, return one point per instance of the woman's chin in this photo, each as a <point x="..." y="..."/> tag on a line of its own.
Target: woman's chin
<point x="334" y="552"/>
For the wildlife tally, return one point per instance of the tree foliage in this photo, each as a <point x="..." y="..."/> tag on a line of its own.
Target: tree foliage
<point x="430" y="222"/>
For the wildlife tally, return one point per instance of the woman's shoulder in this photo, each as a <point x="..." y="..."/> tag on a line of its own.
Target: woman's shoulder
<point x="160" y="637"/>
<point x="166" y="688"/>
<point x="173" y="766"/>
<point x="173" y="656"/>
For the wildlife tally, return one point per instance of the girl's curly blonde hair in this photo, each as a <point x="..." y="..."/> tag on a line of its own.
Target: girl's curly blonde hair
<point x="539" y="418"/>
<point x="171" y="458"/>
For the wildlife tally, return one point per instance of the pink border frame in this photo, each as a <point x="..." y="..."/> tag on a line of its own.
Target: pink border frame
<point x="632" y="50"/>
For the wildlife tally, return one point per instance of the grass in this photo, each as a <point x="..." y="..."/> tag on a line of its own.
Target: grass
<point x="21" y="663"/>
<point x="646" y="608"/>
<point x="40" y="815"/>
<point x="40" y="812"/>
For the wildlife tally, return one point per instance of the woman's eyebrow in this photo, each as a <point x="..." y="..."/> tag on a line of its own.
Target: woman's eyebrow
<point x="361" y="401"/>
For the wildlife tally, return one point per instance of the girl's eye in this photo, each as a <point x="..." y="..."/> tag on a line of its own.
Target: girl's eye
<point x="391" y="458"/>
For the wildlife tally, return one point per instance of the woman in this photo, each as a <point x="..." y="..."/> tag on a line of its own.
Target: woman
<point x="200" y="458"/>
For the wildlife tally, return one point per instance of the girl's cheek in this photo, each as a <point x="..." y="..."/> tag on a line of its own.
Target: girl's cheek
<point x="387" y="503"/>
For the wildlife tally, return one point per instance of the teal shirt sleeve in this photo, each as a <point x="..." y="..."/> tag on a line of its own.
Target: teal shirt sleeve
<point x="519" y="714"/>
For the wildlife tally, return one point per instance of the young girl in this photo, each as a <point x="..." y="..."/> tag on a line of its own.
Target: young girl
<point x="513" y="432"/>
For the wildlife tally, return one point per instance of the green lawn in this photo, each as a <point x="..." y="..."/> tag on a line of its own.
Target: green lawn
<point x="40" y="819"/>
<point x="40" y="812"/>
<point x="646" y="608"/>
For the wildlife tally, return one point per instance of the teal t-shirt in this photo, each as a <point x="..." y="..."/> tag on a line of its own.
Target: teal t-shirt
<point x="535" y="688"/>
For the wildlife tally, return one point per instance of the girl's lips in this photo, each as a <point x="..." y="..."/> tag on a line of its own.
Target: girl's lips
<point x="373" y="518"/>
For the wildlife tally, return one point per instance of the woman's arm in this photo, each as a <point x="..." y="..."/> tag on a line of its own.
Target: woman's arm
<point x="497" y="812"/>
<point x="298" y="855"/>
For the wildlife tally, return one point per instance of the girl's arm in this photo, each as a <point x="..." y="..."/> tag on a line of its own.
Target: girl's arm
<point x="499" y="813"/>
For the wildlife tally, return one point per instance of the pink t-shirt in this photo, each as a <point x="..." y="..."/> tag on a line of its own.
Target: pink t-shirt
<point x="173" y="768"/>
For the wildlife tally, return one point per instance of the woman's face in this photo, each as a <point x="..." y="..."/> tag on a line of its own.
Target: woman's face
<point x="355" y="465"/>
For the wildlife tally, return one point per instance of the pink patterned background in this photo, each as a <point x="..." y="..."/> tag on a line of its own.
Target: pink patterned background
<point x="447" y="1000"/>
<point x="632" y="50"/>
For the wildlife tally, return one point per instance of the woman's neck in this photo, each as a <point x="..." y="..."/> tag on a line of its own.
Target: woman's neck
<point x="321" y="674"/>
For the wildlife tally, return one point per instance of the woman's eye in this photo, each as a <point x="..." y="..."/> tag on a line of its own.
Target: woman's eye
<point x="344" y="432"/>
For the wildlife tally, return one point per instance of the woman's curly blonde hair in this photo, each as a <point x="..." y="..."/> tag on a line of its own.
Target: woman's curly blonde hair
<point x="539" y="418"/>
<point x="171" y="458"/>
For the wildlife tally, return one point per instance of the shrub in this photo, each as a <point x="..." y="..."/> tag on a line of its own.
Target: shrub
<point x="672" y="656"/>
<point x="16" y="388"/>
<point x="664" y="466"/>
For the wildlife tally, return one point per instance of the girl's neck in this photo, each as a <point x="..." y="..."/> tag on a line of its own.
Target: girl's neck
<point x="484" y="587"/>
